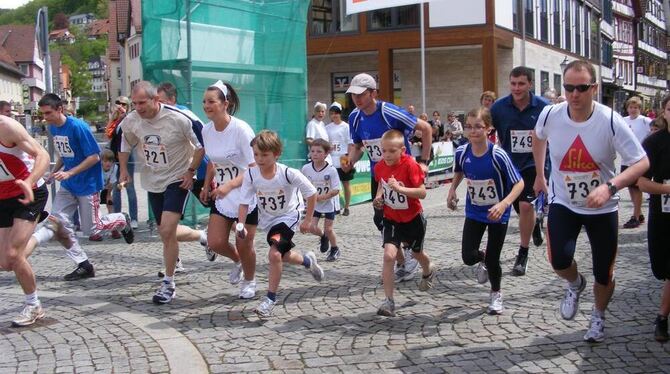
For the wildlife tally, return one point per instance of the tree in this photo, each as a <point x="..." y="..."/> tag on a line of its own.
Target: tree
<point x="61" y="21"/>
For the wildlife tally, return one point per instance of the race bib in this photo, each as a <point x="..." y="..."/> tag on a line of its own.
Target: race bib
<point x="62" y="144"/>
<point x="337" y="148"/>
<point x="273" y="202"/>
<point x="225" y="172"/>
<point x="665" y="199"/>
<point x="5" y="174"/>
<point x="155" y="155"/>
<point x="322" y="187"/>
<point x="580" y="185"/>
<point x="522" y="141"/>
<point x="482" y="192"/>
<point x="374" y="148"/>
<point x="393" y="199"/>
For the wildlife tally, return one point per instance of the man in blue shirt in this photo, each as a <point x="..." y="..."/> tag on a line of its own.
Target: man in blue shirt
<point x="367" y="123"/>
<point x="79" y="171"/>
<point x="514" y="117"/>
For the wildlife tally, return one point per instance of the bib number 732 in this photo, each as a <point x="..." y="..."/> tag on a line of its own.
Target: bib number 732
<point x="580" y="185"/>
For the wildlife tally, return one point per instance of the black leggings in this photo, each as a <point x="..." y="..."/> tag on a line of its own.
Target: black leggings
<point x="473" y="231"/>
<point x="378" y="218"/>
<point x="564" y="225"/>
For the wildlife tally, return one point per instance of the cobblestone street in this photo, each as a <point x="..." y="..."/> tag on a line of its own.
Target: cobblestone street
<point x="108" y="323"/>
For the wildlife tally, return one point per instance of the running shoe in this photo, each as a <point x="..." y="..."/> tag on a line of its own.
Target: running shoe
<point x="128" y="232"/>
<point x="236" y="273"/>
<point x="596" y="331"/>
<point x="247" y="289"/>
<point x="81" y="272"/>
<point x="333" y="255"/>
<point x="314" y="267"/>
<point x="29" y="315"/>
<point x="426" y="282"/>
<point x="387" y="308"/>
<point x="165" y="293"/>
<point x="496" y="305"/>
<point x="134" y="224"/>
<point x="520" y="264"/>
<point x="641" y="218"/>
<point x="570" y="303"/>
<point x="345" y="212"/>
<point x="661" y="330"/>
<point x="482" y="273"/>
<point x="211" y="255"/>
<point x="264" y="309"/>
<point x="632" y="223"/>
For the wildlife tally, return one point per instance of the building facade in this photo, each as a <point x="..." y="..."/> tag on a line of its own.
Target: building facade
<point x="21" y="44"/>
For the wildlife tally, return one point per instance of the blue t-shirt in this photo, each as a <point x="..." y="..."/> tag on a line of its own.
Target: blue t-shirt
<point x="74" y="142"/>
<point x="514" y="127"/>
<point x="197" y="126"/>
<point x="489" y="179"/>
<point x="368" y="129"/>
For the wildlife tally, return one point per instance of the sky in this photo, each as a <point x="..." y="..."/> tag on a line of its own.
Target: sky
<point x="11" y="4"/>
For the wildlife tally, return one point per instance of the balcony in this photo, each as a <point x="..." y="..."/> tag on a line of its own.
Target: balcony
<point x="34" y="82"/>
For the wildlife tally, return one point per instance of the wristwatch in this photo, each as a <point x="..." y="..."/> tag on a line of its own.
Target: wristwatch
<point x="421" y="161"/>
<point x="612" y="188"/>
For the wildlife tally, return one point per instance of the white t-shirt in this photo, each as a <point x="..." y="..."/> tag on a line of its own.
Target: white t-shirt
<point x="109" y="176"/>
<point x="277" y="198"/>
<point x="641" y="126"/>
<point x="325" y="181"/>
<point x="166" y="144"/>
<point x="340" y="138"/>
<point x="316" y="130"/>
<point x="582" y="154"/>
<point x="231" y="154"/>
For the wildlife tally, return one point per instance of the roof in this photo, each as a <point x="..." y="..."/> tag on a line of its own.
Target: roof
<point x="8" y="64"/>
<point x="119" y="14"/>
<point x="98" y="28"/>
<point x="16" y="39"/>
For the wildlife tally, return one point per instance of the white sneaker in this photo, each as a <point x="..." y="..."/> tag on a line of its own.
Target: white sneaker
<point x="482" y="273"/>
<point x="236" y="273"/>
<point x="134" y="224"/>
<point x="247" y="289"/>
<point x="179" y="267"/>
<point x="29" y="315"/>
<point x="496" y="305"/>
<point x="596" y="331"/>
<point x="570" y="303"/>
<point x="165" y="293"/>
<point x="314" y="267"/>
<point x="411" y="264"/>
<point x="264" y="309"/>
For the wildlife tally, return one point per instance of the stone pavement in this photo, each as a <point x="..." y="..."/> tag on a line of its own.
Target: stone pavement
<point x="108" y="323"/>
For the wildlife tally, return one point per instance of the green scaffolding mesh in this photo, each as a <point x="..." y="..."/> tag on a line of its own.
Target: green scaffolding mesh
<point x="259" y="47"/>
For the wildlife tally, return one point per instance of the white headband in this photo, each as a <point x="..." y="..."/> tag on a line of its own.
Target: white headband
<point x="221" y="87"/>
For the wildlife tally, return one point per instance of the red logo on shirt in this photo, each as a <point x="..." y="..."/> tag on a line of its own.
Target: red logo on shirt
<point x="578" y="158"/>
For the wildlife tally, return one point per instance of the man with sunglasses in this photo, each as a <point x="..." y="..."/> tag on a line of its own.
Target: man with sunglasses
<point x="585" y="138"/>
<point x="514" y="118"/>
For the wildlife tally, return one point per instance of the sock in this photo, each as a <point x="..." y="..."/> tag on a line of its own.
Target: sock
<point x="272" y="296"/>
<point x="43" y="235"/>
<point x="167" y="279"/>
<point x="32" y="299"/>
<point x="306" y="262"/>
<point x="577" y="283"/>
<point x="523" y="250"/>
<point x="203" y="237"/>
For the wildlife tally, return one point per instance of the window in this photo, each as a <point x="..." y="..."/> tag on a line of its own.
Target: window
<point x="544" y="82"/>
<point x="578" y="29"/>
<point x="607" y="11"/>
<point x="24" y="68"/>
<point x="593" y="38"/>
<point x="330" y="16"/>
<point x="118" y="72"/>
<point x="530" y="21"/>
<point x="557" y="23"/>
<point x="587" y="29"/>
<point x="394" y="18"/>
<point x="558" y="85"/>
<point x="607" y="56"/>
<point x="516" y="15"/>
<point x="567" y="14"/>
<point x="532" y="84"/>
<point x="544" y="21"/>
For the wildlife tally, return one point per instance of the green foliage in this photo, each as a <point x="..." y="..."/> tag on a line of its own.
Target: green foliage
<point x="26" y="14"/>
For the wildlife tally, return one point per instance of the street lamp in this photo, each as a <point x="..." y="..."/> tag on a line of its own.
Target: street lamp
<point x="564" y="63"/>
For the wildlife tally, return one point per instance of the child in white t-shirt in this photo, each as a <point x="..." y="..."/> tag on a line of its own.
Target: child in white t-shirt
<point x="275" y="187"/>
<point x="327" y="182"/>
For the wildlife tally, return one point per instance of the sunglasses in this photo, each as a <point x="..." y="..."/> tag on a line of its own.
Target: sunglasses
<point x="120" y="103"/>
<point x="578" y="87"/>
